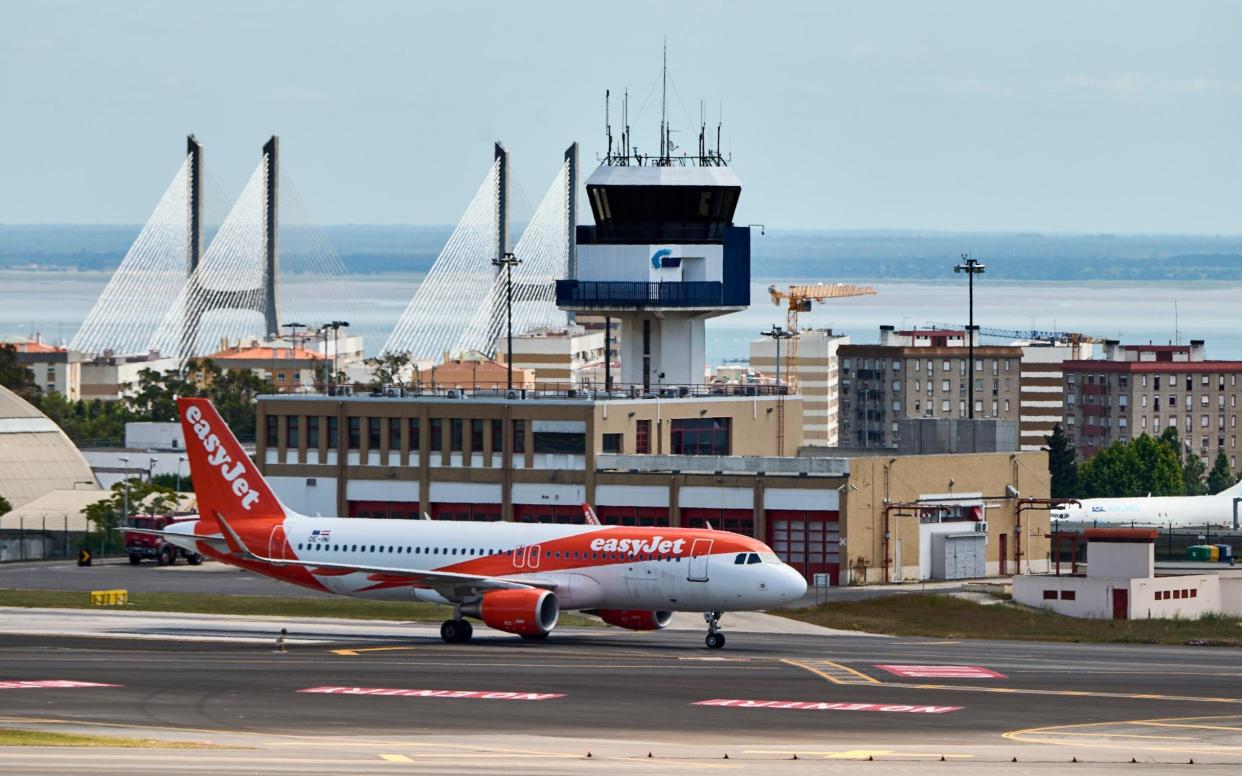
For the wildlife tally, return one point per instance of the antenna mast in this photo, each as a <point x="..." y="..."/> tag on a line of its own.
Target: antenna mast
<point x="664" y="149"/>
<point x="608" y="124"/>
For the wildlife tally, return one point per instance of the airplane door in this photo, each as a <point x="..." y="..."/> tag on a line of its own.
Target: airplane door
<point x="532" y="556"/>
<point x="700" y="551"/>
<point x="276" y="542"/>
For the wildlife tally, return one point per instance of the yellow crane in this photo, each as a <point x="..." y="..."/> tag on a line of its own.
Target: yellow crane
<point x="798" y="299"/>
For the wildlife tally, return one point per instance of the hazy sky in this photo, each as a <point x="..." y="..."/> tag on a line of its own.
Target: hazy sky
<point x="1051" y="116"/>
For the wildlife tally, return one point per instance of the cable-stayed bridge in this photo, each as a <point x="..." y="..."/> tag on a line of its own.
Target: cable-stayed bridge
<point x="186" y="286"/>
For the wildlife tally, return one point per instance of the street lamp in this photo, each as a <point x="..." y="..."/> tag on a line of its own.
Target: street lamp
<point x="777" y="334"/>
<point x="151" y="462"/>
<point x="335" y="326"/>
<point x="125" y="507"/>
<point x="180" y="461"/>
<point x="293" y="336"/>
<point x="508" y="261"/>
<point x="971" y="267"/>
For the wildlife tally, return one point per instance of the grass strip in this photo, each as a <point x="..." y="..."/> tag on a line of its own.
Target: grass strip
<point x="17" y="737"/>
<point x="948" y="617"/>
<point x="253" y="605"/>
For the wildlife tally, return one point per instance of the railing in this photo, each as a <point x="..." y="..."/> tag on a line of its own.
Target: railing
<point x="586" y="390"/>
<point x="625" y="294"/>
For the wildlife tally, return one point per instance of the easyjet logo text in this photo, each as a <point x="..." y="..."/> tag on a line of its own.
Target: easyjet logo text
<point x="218" y="457"/>
<point x="655" y="544"/>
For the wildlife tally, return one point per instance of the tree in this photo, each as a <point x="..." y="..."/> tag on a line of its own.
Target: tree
<point x="389" y="369"/>
<point x="1110" y="473"/>
<point x="16" y="377"/>
<point x="5" y="506"/>
<point x="1192" y="476"/>
<point x="170" y="481"/>
<point x="1220" y="478"/>
<point x="1159" y="469"/>
<point x="144" y="498"/>
<point x="1062" y="464"/>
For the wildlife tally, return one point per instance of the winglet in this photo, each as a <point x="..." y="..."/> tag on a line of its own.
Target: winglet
<point x="591" y="517"/>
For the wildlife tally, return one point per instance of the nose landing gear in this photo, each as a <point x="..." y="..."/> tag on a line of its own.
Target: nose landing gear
<point x="715" y="639"/>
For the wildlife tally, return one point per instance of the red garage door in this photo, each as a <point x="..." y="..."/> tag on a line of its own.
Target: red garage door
<point x="808" y="541"/>
<point x="387" y="509"/>
<point x="548" y="513"/>
<point x="474" y="512"/>
<point x="736" y="520"/>
<point x="644" y="516"/>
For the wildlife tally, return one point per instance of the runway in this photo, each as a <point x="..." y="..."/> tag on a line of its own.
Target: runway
<point x="391" y="702"/>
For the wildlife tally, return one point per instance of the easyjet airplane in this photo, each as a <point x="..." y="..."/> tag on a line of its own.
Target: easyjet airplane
<point x="516" y="577"/>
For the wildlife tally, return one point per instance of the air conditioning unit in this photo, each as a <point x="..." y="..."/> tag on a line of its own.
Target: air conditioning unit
<point x="981" y="527"/>
<point x="512" y="395"/>
<point x="453" y="394"/>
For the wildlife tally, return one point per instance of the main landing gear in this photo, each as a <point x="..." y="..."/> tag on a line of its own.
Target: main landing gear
<point x="715" y="639"/>
<point x="456" y="631"/>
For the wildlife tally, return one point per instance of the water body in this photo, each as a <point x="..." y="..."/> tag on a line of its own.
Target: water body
<point x="55" y="304"/>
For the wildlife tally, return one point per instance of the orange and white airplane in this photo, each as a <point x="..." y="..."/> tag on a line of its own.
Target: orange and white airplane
<point x="516" y="577"/>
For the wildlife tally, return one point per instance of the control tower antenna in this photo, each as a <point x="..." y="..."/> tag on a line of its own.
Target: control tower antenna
<point x="702" y="132"/>
<point x="608" y="124"/>
<point x="665" y="151"/>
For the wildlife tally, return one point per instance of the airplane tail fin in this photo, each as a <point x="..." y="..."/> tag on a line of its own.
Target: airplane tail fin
<point x="226" y="481"/>
<point x="1234" y="490"/>
<point x="589" y="514"/>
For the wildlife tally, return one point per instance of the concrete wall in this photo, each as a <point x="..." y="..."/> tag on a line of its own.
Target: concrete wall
<point x="1120" y="559"/>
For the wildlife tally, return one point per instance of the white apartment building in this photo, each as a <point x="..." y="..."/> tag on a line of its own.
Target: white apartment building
<point x="818" y="380"/>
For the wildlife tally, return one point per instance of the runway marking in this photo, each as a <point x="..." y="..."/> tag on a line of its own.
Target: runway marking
<point x="942" y="672"/>
<point x="736" y="703"/>
<point x="859" y="754"/>
<point x="55" y="684"/>
<point x="833" y="672"/>
<point x="1053" y="735"/>
<point x="396" y="758"/>
<point x="474" y="694"/>
<point x="354" y="652"/>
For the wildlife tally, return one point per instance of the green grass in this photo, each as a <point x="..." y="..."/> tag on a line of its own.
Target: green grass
<point x="946" y="617"/>
<point x="15" y="737"/>
<point x="255" y="605"/>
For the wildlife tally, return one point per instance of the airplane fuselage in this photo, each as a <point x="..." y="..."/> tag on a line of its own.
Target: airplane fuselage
<point x="1155" y="511"/>
<point x="586" y="566"/>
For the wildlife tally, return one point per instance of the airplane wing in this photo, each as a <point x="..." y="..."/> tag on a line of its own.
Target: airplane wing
<point x="452" y="585"/>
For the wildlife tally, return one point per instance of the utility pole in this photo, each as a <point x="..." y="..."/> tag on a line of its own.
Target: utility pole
<point x="508" y="261"/>
<point x="971" y="267"/>
<point x="777" y="334"/>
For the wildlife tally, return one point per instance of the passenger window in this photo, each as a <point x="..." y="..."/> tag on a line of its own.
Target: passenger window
<point x="416" y="550"/>
<point x="398" y="550"/>
<point x="740" y="559"/>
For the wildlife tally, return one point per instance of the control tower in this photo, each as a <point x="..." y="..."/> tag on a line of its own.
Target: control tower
<point x="662" y="257"/>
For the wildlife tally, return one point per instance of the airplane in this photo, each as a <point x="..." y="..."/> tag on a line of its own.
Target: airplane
<point x="515" y="577"/>
<point x="1216" y="511"/>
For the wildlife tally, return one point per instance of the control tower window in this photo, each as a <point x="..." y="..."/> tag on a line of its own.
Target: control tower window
<point x="662" y="213"/>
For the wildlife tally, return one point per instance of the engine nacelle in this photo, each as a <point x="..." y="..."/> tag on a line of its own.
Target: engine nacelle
<point x="635" y="619"/>
<point x="524" y="612"/>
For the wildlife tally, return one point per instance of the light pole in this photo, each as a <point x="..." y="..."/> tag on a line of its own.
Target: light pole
<point x="151" y="462"/>
<point x="508" y="261"/>
<point x="335" y="326"/>
<point x="180" y="461"/>
<point x="971" y="267"/>
<point x="777" y="334"/>
<point x="293" y="336"/>
<point x="125" y="503"/>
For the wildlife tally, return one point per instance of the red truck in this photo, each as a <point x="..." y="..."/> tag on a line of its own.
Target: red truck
<point x="140" y="546"/>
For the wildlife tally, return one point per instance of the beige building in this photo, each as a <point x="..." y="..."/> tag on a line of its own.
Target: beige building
<point x="288" y="368"/>
<point x="111" y="377"/>
<point x="818" y="377"/>
<point x="1137" y="389"/>
<point x="921" y="374"/>
<point x="54" y="369"/>
<point x="559" y="357"/>
<point x="1042" y="400"/>
<point x="679" y="462"/>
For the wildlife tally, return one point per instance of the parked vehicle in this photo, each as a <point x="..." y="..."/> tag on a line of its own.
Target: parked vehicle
<point x="139" y="546"/>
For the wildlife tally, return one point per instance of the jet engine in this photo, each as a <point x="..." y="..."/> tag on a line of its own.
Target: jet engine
<point x="635" y="619"/>
<point x="528" y="613"/>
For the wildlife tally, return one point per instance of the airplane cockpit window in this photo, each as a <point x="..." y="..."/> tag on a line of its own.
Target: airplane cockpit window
<point x="754" y="558"/>
<point x="740" y="559"/>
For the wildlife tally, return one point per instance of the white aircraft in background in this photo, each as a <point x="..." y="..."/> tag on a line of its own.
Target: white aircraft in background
<point x="516" y="577"/>
<point x="1214" y="511"/>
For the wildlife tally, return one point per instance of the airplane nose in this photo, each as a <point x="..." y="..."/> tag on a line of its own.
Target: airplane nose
<point x="790" y="585"/>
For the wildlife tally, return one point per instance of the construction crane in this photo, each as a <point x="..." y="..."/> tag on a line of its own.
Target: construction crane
<point x="1075" y="339"/>
<point x="798" y="299"/>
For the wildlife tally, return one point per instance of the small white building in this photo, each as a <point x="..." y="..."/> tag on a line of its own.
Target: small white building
<point x="1121" y="583"/>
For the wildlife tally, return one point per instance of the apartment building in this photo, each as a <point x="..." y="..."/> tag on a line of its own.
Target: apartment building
<point x="922" y="374"/>
<point x="1137" y="389"/>
<point x="566" y="357"/>
<point x="818" y="379"/>
<point x="1043" y="387"/>
<point x="55" y="369"/>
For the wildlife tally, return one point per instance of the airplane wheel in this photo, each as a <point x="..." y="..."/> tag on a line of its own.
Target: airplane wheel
<point x="715" y="640"/>
<point x="456" y="631"/>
